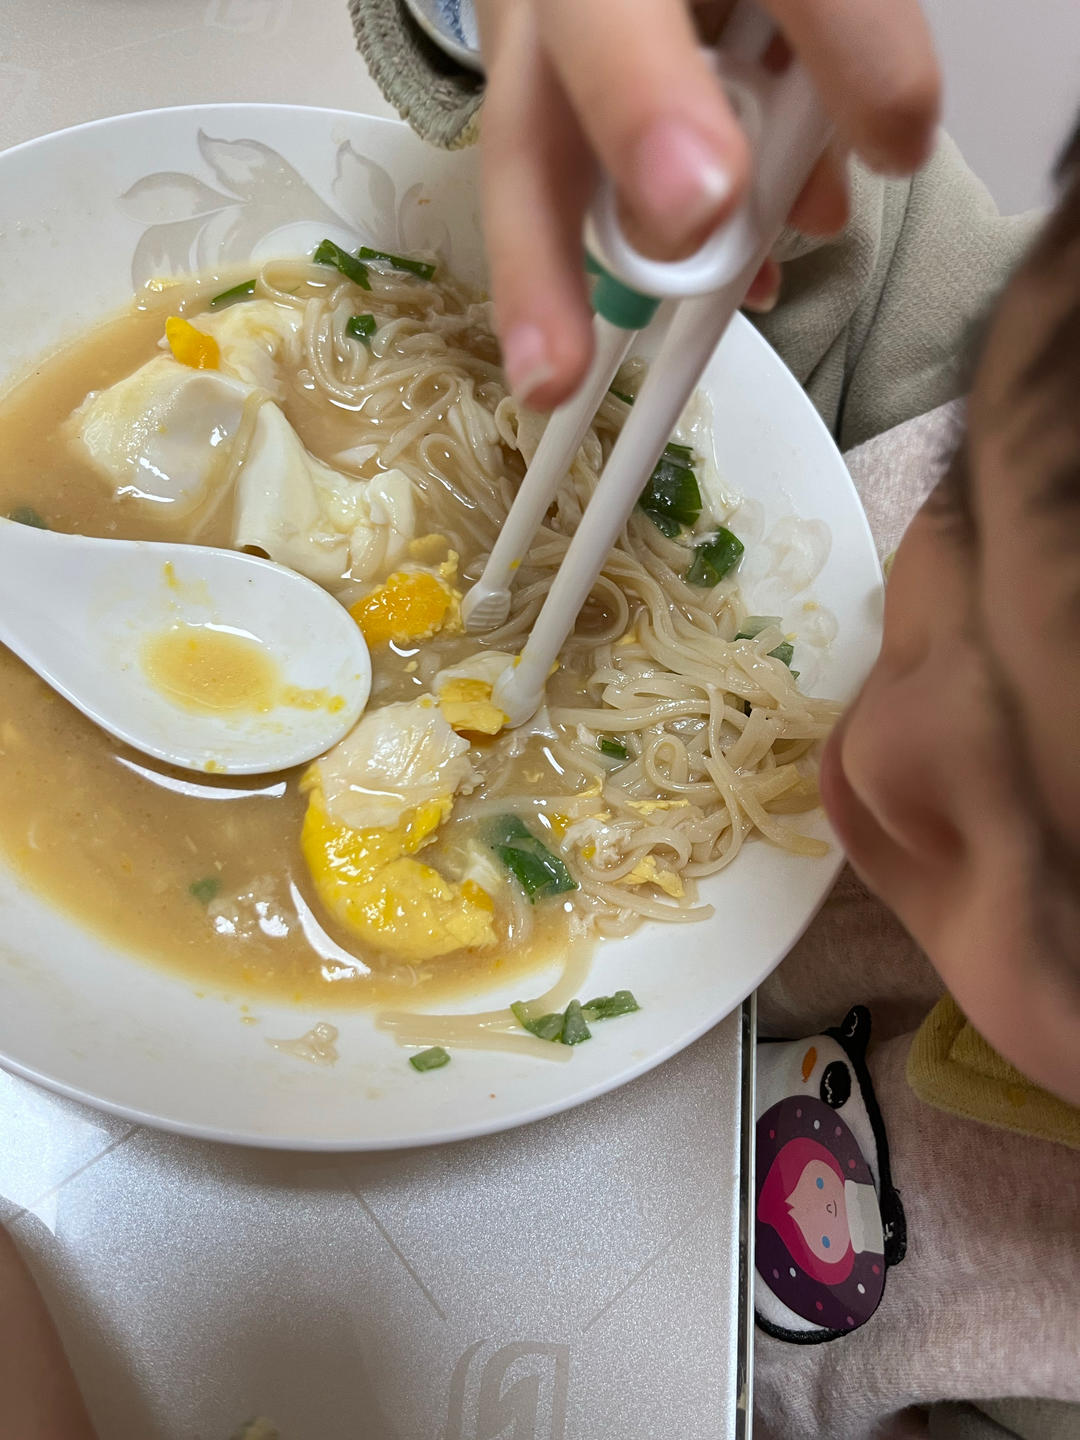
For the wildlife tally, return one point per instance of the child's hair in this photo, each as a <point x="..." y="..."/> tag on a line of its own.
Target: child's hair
<point x="1053" y="374"/>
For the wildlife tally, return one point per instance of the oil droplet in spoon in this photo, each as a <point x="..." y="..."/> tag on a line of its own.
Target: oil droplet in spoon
<point x="204" y="668"/>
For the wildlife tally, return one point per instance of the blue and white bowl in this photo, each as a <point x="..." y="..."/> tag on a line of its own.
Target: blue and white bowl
<point x="451" y="25"/>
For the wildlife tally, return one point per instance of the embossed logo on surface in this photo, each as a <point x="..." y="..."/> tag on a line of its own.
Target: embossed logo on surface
<point x="247" y="17"/>
<point x="517" y="1393"/>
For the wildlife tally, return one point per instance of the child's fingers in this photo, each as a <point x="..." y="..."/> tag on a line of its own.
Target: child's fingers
<point x="764" y="292"/>
<point x="824" y="204"/>
<point x="537" y="177"/>
<point x="875" y="69"/>
<point x="38" y="1396"/>
<point x="652" y="111"/>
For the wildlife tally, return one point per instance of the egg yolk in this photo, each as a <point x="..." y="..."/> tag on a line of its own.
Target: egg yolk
<point x="647" y="872"/>
<point x="409" y="605"/>
<point x="190" y="346"/>
<point x="371" y="883"/>
<point x="466" y="704"/>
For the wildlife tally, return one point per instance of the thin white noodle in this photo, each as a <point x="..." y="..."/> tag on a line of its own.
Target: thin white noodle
<point x="713" y="726"/>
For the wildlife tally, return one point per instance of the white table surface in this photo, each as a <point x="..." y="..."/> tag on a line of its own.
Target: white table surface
<point x="576" y="1280"/>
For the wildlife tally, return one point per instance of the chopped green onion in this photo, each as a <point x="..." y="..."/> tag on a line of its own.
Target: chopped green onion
<point x="205" y="889"/>
<point x="672" y="491"/>
<point x="353" y="269"/>
<point x="608" y="745"/>
<point x="423" y="268"/>
<point x="27" y="515"/>
<point x="664" y="523"/>
<point x="607" y="1007"/>
<point x="679" y="452"/>
<point x="361" y="327"/>
<point x="753" y="625"/>
<point x="574" y="1029"/>
<point x="547" y="1027"/>
<point x="713" y="558"/>
<point x="433" y="1059"/>
<point x="243" y="291"/>
<point x="622" y="395"/>
<point x="533" y="866"/>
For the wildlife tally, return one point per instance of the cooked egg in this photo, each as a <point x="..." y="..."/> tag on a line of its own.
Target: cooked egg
<point x="647" y="872"/>
<point x="371" y="883"/>
<point x="464" y="692"/>
<point x="393" y="760"/>
<point x="408" y="605"/>
<point x="280" y="502"/>
<point x="649" y="807"/>
<point x="163" y="434"/>
<point x="191" y="346"/>
<point x="375" y="800"/>
<point x="180" y="430"/>
<point x="253" y="339"/>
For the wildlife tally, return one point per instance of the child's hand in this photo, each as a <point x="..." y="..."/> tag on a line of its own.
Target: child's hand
<point x="38" y="1396"/>
<point x="623" y="81"/>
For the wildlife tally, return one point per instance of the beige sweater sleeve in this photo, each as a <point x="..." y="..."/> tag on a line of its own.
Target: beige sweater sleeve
<point x="872" y="323"/>
<point x="875" y="322"/>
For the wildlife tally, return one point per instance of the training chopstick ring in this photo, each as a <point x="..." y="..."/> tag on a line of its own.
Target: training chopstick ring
<point x="758" y="99"/>
<point x="789" y="130"/>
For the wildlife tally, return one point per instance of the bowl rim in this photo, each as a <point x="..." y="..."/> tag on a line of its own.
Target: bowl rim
<point x="477" y="1127"/>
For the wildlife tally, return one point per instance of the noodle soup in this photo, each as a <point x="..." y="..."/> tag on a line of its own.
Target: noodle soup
<point x="364" y="436"/>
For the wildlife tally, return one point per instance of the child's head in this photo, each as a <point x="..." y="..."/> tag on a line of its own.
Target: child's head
<point x="954" y="778"/>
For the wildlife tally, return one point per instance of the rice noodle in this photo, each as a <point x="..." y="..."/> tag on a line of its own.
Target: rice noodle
<point x="719" y="735"/>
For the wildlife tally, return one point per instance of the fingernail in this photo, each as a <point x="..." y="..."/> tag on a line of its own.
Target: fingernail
<point x="525" y="360"/>
<point x="764" y="306"/>
<point x="681" y="178"/>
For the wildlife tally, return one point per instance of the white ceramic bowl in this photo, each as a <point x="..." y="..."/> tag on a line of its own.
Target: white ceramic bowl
<point x="90" y="213"/>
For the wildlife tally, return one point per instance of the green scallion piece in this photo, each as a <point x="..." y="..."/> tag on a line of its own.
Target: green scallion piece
<point x="538" y="872"/>
<point x="673" y="492"/>
<point x="433" y="1059"/>
<point x="206" y="889"/>
<point x="753" y="625"/>
<point x="423" y="268"/>
<point x="607" y="1007"/>
<point x="572" y="1026"/>
<point x="682" y="453"/>
<point x="574" y="1029"/>
<point x="714" y="558"/>
<point x="664" y="523"/>
<point x="243" y="291"/>
<point x="546" y="1027"/>
<point x="608" y="745"/>
<point x="353" y="269"/>
<point x="361" y="327"/>
<point x="622" y="395"/>
<point x="27" y="515"/>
